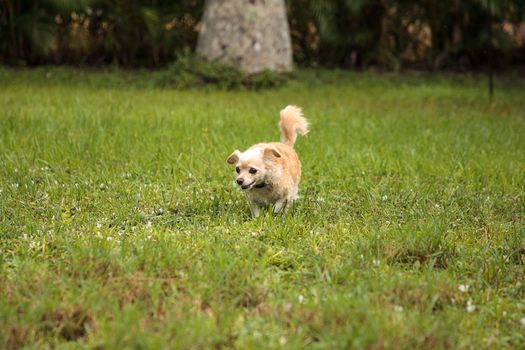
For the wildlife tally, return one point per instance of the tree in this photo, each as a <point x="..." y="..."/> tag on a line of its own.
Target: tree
<point x="252" y="35"/>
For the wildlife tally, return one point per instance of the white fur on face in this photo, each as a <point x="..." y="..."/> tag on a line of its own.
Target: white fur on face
<point x="251" y="153"/>
<point x="252" y="158"/>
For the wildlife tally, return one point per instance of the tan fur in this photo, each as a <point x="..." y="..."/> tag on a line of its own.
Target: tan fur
<point x="277" y="166"/>
<point x="292" y="122"/>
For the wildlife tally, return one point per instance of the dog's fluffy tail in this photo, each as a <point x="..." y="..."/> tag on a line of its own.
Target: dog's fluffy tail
<point x="292" y="122"/>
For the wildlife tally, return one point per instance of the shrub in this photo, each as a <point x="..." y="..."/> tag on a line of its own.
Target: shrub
<point x="190" y="72"/>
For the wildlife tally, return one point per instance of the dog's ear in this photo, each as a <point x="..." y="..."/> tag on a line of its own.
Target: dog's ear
<point x="270" y="152"/>
<point x="234" y="157"/>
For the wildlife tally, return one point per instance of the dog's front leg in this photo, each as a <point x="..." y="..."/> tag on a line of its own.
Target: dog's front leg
<point x="280" y="205"/>
<point x="256" y="210"/>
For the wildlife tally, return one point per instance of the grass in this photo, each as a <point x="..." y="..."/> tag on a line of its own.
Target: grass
<point x="120" y="225"/>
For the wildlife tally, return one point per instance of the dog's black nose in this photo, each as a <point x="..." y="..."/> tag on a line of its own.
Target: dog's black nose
<point x="240" y="181"/>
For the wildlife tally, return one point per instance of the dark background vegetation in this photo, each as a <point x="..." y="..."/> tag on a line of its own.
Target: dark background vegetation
<point x="391" y="34"/>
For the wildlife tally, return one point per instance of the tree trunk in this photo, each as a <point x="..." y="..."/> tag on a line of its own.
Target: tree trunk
<point x="251" y="35"/>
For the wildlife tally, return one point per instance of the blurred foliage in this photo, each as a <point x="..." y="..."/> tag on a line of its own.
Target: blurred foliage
<point x="97" y="32"/>
<point x="342" y="33"/>
<point x="391" y="33"/>
<point x="28" y="30"/>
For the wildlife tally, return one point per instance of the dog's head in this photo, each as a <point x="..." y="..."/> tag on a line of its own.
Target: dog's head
<point x="254" y="166"/>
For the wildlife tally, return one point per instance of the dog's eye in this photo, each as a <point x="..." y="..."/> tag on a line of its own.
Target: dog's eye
<point x="238" y="170"/>
<point x="253" y="170"/>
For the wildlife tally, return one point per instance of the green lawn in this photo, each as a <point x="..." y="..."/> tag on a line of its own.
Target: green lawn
<point x="121" y="227"/>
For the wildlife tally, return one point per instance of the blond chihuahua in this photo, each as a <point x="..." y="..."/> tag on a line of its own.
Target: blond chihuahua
<point x="269" y="173"/>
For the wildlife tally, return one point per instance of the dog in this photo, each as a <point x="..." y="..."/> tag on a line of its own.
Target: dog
<point x="269" y="173"/>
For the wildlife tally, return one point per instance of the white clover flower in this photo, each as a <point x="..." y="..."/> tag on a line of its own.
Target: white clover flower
<point x="282" y="341"/>
<point x="398" y="308"/>
<point x="301" y="298"/>
<point x="254" y="234"/>
<point x="98" y="225"/>
<point x="463" y="288"/>
<point x="470" y="307"/>
<point x="109" y="238"/>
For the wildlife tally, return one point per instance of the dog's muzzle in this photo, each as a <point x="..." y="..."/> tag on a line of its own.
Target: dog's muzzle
<point x="244" y="187"/>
